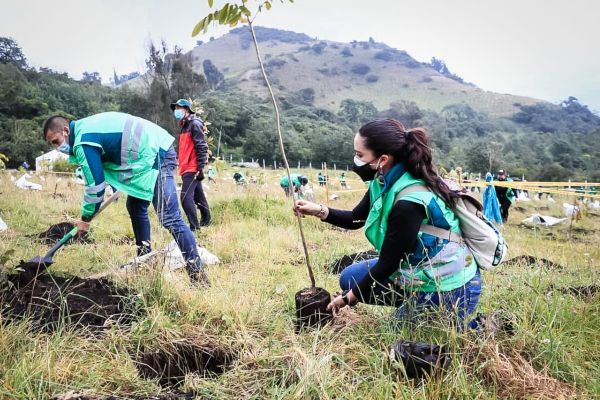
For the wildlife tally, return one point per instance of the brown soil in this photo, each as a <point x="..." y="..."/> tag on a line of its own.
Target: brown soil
<point x="172" y="362"/>
<point x="532" y="261"/>
<point x="582" y="292"/>
<point x="311" y="308"/>
<point x="56" y="232"/>
<point x="171" y="395"/>
<point x="338" y="265"/>
<point x="52" y="302"/>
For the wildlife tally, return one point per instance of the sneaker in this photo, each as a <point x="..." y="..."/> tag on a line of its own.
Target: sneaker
<point x="199" y="278"/>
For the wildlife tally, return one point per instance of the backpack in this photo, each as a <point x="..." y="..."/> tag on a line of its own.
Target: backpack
<point x="479" y="234"/>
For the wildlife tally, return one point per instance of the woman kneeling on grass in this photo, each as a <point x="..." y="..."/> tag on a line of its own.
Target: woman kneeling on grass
<point x="415" y="271"/>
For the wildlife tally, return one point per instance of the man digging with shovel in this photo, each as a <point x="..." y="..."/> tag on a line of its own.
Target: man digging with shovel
<point x="136" y="157"/>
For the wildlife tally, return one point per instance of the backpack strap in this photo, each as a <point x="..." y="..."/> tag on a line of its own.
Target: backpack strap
<point x="426" y="228"/>
<point x="441" y="233"/>
<point x="411" y="189"/>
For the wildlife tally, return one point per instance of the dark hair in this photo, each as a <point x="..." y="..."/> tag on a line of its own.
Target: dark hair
<point x="54" y="123"/>
<point x="410" y="147"/>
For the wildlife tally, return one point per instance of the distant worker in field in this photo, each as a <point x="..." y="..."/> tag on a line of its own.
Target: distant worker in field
<point x="506" y="196"/>
<point x="321" y="179"/>
<point x="297" y="179"/>
<point x="305" y="191"/>
<point x="343" y="181"/>
<point x="192" y="157"/>
<point x="418" y="268"/>
<point x="211" y="175"/>
<point x="136" y="157"/>
<point x="239" y="178"/>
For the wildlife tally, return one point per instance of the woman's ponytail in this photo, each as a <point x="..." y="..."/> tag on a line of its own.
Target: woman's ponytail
<point x="411" y="147"/>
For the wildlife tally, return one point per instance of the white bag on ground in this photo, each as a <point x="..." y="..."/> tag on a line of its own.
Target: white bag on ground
<point x="544" y="220"/>
<point x="3" y="225"/>
<point x="23" y="183"/>
<point x="173" y="259"/>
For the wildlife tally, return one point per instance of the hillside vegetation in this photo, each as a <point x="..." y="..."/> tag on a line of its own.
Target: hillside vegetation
<point x="326" y="90"/>
<point x="338" y="71"/>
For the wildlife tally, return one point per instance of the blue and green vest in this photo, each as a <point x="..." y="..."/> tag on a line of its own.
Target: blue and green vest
<point x="434" y="264"/>
<point x="129" y="148"/>
<point x="285" y="182"/>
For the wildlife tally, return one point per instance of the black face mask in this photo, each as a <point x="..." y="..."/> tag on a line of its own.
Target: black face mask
<point x="365" y="172"/>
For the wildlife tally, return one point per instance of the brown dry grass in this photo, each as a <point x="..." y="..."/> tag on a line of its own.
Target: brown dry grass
<point x="506" y="370"/>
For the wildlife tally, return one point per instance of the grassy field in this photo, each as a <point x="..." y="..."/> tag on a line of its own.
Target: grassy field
<point x="247" y="314"/>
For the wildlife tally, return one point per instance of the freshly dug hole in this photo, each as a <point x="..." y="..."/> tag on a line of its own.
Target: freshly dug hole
<point x="174" y="360"/>
<point x="54" y="301"/>
<point x="56" y="232"/>
<point x="311" y="308"/>
<point x="338" y="265"/>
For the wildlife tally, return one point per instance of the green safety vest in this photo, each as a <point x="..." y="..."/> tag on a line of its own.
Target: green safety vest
<point x="130" y="151"/>
<point x="435" y="264"/>
<point x="285" y="182"/>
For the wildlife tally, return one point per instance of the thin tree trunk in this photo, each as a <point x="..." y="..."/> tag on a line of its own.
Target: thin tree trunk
<point x="285" y="161"/>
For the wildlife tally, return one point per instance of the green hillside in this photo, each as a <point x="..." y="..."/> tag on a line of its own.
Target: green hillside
<point x="297" y="62"/>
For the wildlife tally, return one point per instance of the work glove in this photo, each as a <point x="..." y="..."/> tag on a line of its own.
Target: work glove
<point x="199" y="175"/>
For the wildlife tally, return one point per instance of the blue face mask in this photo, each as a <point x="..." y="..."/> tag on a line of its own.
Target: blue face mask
<point x="64" y="147"/>
<point x="178" y="114"/>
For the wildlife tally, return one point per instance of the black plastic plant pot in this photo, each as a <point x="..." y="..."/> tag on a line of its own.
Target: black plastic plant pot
<point x="420" y="360"/>
<point x="311" y="308"/>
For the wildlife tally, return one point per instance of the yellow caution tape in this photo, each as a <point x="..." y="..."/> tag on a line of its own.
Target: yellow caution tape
<point x="565" y="192"/>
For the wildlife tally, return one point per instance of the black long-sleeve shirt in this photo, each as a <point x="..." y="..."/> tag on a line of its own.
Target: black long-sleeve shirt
<point x="404" y="222"/>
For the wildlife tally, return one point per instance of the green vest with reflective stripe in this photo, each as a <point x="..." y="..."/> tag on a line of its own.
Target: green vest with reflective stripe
<point x="130" y="150"/>
<point x="435" y="264"/>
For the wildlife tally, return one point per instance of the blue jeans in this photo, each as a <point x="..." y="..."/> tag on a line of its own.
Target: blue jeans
<point x="459" y="303"/>
<point x="166" y="204"/>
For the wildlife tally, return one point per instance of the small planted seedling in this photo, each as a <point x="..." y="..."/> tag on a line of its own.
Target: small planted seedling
<point x="308" y="300"/>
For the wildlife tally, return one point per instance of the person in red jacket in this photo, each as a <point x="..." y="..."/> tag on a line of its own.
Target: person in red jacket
<point x="192" y="157"/>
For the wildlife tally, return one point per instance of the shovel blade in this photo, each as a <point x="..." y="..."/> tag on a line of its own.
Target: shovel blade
<point x="37" y="263"/>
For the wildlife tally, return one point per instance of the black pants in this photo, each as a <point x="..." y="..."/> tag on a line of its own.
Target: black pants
<point x="504" y="206"/>
<point x="192" y="196"/>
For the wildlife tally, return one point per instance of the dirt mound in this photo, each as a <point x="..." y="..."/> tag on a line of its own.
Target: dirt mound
<point x="582" y="292"/>
<point x="57" y="231"/>
<point x="171" y="395"/>
<point x="175" y="359"/>
<point x="338" y="265"/>
<point x="532" y="261"/>
<point x="53" y="302"/>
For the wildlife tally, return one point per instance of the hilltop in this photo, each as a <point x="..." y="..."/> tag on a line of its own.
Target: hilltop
<point x="327" y="72"/>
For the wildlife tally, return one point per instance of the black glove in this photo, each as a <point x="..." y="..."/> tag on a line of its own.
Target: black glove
<point x="199" y="175"/>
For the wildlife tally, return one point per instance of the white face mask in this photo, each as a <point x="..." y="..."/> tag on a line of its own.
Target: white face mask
<point x="358" y="162"/>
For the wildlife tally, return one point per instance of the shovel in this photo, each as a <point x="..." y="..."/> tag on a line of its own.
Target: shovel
<point x="39" y="263"/>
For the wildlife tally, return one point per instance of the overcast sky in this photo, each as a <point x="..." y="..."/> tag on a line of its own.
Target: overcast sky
<point x="548" y="49"/>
